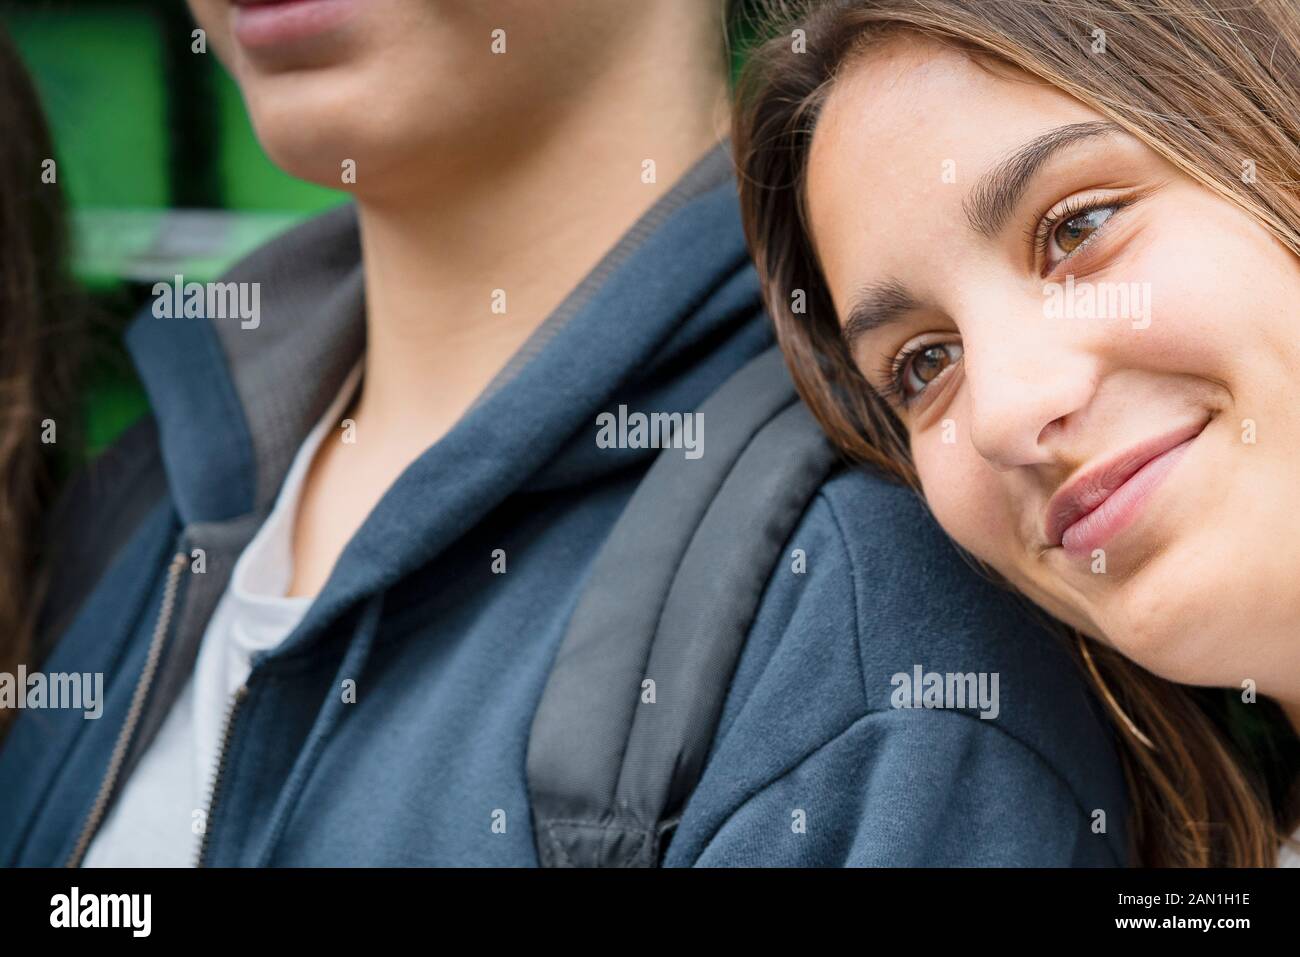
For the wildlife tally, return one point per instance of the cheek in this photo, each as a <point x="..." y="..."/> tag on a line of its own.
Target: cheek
<point x="1216" y="306"/>
<point x="966" y="497"/>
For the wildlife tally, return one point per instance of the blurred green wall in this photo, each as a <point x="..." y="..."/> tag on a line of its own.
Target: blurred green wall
<point x="157" y="160"/>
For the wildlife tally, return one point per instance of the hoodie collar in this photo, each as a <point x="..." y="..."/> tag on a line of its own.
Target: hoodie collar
<point x="657" y="325"/>
<point x="233" y="404"/>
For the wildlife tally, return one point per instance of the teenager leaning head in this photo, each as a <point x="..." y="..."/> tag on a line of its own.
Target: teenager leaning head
<point x="1044" y="245"/>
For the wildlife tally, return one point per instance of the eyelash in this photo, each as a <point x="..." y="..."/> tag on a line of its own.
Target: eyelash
<point x="891" y="371"/>
<point x="894" y="367"/>
<point x="1073" y="207"/>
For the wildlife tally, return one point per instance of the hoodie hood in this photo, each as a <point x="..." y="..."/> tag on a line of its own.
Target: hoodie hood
<point x="661" y="322"/>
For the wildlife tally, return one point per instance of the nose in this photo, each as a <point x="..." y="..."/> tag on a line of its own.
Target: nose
<point x="1026" y="374"/>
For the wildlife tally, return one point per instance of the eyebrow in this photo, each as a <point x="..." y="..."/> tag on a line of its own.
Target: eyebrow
<point x="990" y="203"/>
<point x="997" y="193"/>
<point x="875" y="305"/>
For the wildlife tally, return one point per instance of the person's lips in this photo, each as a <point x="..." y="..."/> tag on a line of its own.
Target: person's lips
<point x="1102" y="499"/>
<point x="271" y="23"/>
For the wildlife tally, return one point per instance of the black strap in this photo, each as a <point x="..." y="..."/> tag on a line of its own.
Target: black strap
<point x="671" y="599"/>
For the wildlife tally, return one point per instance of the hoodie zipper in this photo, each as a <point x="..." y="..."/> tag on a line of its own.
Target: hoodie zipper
<point x="96" y="816"/>
<point x="218" y="770"/>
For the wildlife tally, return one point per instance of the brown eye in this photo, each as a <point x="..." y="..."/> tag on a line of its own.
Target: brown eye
<point x="924" y="365"/>
<point x="929" y="363"/>
<point x="1072" y="233"/>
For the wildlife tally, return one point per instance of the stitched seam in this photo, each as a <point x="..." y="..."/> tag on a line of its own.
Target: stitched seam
<point x="768" y="783"/>
<point x="558" y="847"/>
<point x="881" y="711"/>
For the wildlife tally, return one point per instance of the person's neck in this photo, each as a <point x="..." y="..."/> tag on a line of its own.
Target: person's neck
<point x="461" y="270"/>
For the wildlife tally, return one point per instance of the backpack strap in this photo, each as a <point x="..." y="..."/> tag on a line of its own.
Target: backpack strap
<point x="670" y="599"/>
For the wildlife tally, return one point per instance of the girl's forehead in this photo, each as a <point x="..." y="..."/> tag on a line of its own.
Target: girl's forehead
<point x="888" y="136"/>
<point x="923" y="91"/>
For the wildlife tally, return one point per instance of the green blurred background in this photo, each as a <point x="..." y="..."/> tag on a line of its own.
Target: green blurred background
<point x="157" y="160"/>
<point x="159" y="165"/>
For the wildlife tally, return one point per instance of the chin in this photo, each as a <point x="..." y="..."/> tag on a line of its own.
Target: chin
<point x="310" y="146"/>
<point x="308" y="132"/>
<point x="314" y="156"/>
<point x="308" y="136"/>
<point x="1177" y="629"/>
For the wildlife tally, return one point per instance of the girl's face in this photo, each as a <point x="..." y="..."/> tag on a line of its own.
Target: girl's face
<point x="1096" y="357"/>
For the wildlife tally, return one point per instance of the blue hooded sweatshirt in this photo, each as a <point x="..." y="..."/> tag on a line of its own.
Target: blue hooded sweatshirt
<point x="813" y="762"/>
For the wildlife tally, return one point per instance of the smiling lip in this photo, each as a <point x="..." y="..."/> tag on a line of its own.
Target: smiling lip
<point x="1102" y="500"/>
<point x="270" y="23"/>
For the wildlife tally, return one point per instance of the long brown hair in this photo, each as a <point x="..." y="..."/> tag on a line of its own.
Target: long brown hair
<point x="40" y="350"/>
<point x="1203" y="83"/>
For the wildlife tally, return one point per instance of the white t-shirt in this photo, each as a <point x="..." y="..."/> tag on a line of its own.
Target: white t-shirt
<point x="153" y="821"/>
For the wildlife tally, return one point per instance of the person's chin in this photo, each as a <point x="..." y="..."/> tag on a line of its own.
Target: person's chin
<point x="306" y="131"/>
<point x="1172" y="622"/>
<point x="1166" y="599"/>
<point x="305" y="154"/>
